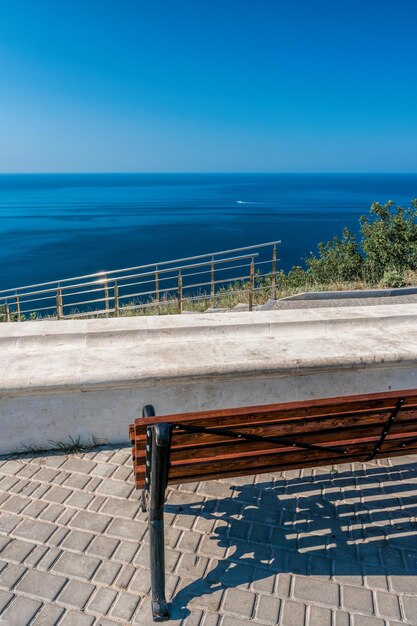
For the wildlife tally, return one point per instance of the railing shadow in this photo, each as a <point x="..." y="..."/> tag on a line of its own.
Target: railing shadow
<point x="344" y="524"/>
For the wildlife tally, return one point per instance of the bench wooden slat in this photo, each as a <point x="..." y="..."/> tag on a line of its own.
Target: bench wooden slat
<point x="285" y="411"/>
<point x="355" y="423"/>
<point x="285" y="458"/>
<point x="240" y="447"/>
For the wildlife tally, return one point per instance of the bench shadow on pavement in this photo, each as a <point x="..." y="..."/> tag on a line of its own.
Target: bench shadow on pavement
<point x="354" y="524"/>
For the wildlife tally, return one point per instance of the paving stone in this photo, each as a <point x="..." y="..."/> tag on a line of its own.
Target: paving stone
<point x="357" y="599"/>
<point x="57" y="494"/>
<point x="231" y="621"/>
<point x="267" y="609"/>
<point x="76" y="481"/>
<point x="110" y="487"/>
<point x="58" y="536"/>
<point x="404" y="584"/>
<point x="103" y="469"/>
<point x="49" y="558"/>
<point x="76" y="594"/>
<point x="48" y="615"/>
<point x="10" y="575"/>
<point x="8" y="522"/>
<point x="140" y="582"/>
<point x="293" y="613"/>
<point x="107" y="572"/>
<point x="103" y="546"/>
<point x="77" y="565"/>
<point x="97" y="503"/>
<point x="102" y="601"/>
<point x="311" y="590"/>
<point x="20" y="611"/>
<point x="341" y="618"/>
<point x="126" y="529"/>
<point x="41" y="584"/>
<point x="364" y="620"/>
<point x="75" y="618"/>
<point x="35" y="508"/>
<point x="319" y="616"/>
<point x="95" y="522"/>
<point x="240" y="603"/>
<point x="124" y="606"/>
<point x="388" y="605"/>
<point x="46" y="474"/>
<point x="126" y="550"/>
<point x="12" y="467"/>
<point x="5" y="597"/>
<point x="410" y="608"/>
<point x="16" y="550"/>
<point x="35" y="530"/>
<point x="120" y="508"/>
<point x="51" y="512"/>
<point x="125" y="576"/>
<point x="16" y="504"/>
<point x="77" y="540"/>
<point x="78" y="465"/>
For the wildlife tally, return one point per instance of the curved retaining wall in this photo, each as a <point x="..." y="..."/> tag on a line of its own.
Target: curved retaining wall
<point x="90" y="378"/>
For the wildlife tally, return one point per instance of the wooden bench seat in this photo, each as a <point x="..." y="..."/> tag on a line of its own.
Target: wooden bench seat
<point x="206" y="445"/>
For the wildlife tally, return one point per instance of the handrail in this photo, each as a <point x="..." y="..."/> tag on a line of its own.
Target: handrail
<point x="58" y="299"/>
<point x="128" y="269"/>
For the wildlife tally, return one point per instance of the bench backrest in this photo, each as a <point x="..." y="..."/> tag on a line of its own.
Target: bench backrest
<point x="270" y="438"/>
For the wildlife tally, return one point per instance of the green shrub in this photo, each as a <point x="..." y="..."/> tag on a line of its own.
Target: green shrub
<point x="297" y="278"/>
<point x="392" y="278"/>
<point x="338" y="260"/>
<point x="389" y="240"/>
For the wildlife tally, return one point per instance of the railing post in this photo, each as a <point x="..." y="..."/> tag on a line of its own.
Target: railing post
<point x="116" y="300"/>
<point x="106" y="296"/>
<point x="212" y="283"/>
<point x="19" y="319"/>
<point x="59" y="303"/>
<point x="251" y="284"/>
<point x="7" y="312"/>
<point x="179" y="292"/>
<point x="156" y="289"/>
<point x="156" y="284"/>
<point x="274" y="272"/>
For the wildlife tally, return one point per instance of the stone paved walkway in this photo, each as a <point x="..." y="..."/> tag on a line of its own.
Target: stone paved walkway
<point x="328" y="547"/>
<point x="342" y="302"/>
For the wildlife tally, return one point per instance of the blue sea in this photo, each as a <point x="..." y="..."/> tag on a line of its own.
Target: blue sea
<point x="62" y="225"/>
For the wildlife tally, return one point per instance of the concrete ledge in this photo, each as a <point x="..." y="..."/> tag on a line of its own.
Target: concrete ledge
<point x="92" y="377"/>
<point x="353" y="293"/>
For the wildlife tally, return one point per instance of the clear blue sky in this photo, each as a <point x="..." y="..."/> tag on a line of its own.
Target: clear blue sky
<point x="208" y="85"/>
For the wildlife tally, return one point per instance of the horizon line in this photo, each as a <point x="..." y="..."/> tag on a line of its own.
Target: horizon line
<point x="205" y="173"/>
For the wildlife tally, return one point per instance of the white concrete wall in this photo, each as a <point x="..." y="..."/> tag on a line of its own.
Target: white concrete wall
<point x="91" y="377"/>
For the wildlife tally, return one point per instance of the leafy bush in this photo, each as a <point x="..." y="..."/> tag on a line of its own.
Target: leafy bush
<point x="389" y="240"/>
<point x="339" y="260"/>
<point x="297" y="278"/>
<point x="392" y="278"/>
<point x="386" y="250"/>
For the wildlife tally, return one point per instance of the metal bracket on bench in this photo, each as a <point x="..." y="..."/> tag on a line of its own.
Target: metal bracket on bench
<point x="386" y="429"/>
<point x="409" y="442"/>
<point x="222" y="432"/>
<point x="148" y="411"/>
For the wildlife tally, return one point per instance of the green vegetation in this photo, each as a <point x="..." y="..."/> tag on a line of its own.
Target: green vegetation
<point x="73" y="446"/>
<point x="383" y="255"/>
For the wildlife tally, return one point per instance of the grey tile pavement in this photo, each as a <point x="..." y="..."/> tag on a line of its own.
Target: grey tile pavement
<point x="340" y="302"/>
<point x="325" y="547"/>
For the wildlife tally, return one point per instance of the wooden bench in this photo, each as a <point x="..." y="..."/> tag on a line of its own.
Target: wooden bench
<point x="206" y="445"/>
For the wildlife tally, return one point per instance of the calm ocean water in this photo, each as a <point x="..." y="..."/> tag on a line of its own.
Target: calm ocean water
<point x="56" y="226"/>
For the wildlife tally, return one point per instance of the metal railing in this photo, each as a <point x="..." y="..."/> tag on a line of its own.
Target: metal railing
<point x="124" y="291"/>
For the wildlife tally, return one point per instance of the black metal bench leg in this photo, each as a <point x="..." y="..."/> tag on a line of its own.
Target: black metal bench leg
<point x="161" y="439"/>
